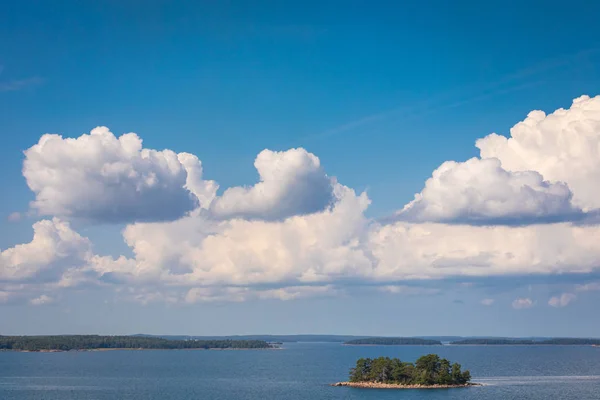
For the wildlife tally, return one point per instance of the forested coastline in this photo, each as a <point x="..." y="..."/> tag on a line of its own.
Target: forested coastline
<point x="524" y="342"/>
<point x="96" y="342"/>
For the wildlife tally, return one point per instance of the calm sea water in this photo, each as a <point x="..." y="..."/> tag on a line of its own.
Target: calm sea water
<point x="299" y="371"/>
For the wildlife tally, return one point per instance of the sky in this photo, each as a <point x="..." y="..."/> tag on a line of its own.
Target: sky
<point x="368" y="168"/>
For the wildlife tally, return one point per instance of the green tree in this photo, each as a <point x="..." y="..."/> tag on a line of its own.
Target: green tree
<point x="361" y="371"/>
<point x="444" y="377"/>
<point x="465" y="377"/>
<point x="429" y="366"/>
<point x="456" y="373"/>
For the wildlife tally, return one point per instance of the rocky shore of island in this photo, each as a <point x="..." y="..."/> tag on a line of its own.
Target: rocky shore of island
<point x="427" y="372"/>
<point x="380" y="385"/>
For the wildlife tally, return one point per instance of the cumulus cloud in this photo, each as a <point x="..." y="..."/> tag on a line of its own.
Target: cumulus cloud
<point x="298" y="232"/>
<point x="338" y="246"/>
<point x="435" y="251"/>
<point x="55" y="259"/>
<point x="100" y="177"/>
<point x="195" y="250"/>
<point x="54" y="249"/>
<point x="561" y="301"/>
<point x="522" y="303"/>
<point x="481" y="191"/>
<point x="291" y="183"/>
<point x="563" y="147"/>
<point x="199" y="259"/>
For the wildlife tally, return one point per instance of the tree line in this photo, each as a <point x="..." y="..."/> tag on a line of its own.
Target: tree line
<point x="427" y="370"/>
<point x="91" y="342"/>
<point x="555" y="341"/>
<point x="393" y="341"/>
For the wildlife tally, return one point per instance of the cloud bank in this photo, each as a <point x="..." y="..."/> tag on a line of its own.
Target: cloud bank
<point x="298" y="232"/>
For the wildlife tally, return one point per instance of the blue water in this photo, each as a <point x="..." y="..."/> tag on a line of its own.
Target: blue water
<point x="299" y="371"/>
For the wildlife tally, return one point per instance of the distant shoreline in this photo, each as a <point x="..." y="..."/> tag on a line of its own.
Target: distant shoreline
<point x="130" y="349"/>
<point x="393" y="341"/>
<point x="57" y="343"/>
<point x="378" y="385"/>
<point x="389" y="345"/>
<point x="520" y="344"/>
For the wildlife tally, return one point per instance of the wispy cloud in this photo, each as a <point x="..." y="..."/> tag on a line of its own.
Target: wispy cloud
<point x="487" y="302"/>
<point x="588" y="287"/>
<point x="14" y="85"/>
<point x="455" y="98"/>
<point x="14" y="217"/>
<point x="408" y="290"/>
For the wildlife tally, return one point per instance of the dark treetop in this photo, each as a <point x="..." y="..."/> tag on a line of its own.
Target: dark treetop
<point x="93" y="342"/>
<point x="393" y="341"/>
<point x="427" y="370"/>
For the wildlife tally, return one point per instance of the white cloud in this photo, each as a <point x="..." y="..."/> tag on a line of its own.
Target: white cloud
<point x="291" y="183"/>
<point x="487" y="302"/>
<point x="54" y="249"/>
<point x="43" y="299"/>
<point x="57" y="258"/>
<point x="563" y="147"/>
<point x="408" y="290"/>
<point x="239" y="294"/>
<point x="337" y="246"/>
<point x="298" y="232"/>
<point x="298" y="292"/>
<point x="302" y="249"/>
<point x="436" y="251"/>
<point x="102" y="178"/>
<point x="562" y="300"/>
<point x="199" y="259"/>
<point x="522" y="303"/>
<point x="481" y="191"/>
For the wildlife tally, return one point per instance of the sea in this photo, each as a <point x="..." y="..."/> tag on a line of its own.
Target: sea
<point x="297" y="371"/>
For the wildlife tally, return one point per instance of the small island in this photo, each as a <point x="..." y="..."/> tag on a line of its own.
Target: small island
<point x="428" y="372"/>
<point x="95" y="342"/>
<point x="392" y="341"/>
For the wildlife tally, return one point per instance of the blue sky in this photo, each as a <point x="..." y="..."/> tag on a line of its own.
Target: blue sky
<point x="382" y="94"/>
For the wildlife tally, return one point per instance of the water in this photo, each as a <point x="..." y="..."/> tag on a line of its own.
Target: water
<point x="300" y="371"/>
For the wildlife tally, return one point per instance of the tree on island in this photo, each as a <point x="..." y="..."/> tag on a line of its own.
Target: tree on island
<point x="428" y="370"/>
